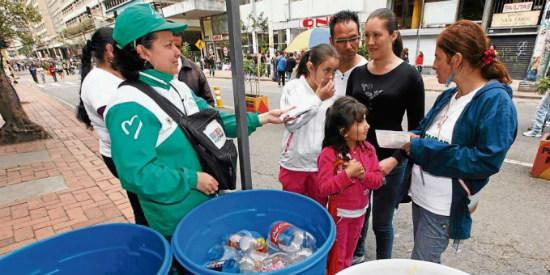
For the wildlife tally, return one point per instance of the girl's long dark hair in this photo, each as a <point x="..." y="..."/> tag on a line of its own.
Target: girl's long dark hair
<point x="340" y="117"/>
<point x="95" y="47"/>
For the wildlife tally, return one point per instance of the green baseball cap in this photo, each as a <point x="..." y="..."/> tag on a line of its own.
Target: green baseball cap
<point x="138" y="21"/>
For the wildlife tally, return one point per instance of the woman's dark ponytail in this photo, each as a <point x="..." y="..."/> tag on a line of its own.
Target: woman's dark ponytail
<point x="496" y="70"/>
<point x="95" y="46"/>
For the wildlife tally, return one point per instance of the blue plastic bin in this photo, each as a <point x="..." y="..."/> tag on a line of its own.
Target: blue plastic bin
<point x="254" y="210"/>
<point x="102" y="249"/>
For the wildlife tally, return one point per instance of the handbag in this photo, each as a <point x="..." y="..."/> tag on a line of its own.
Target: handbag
<point x="217" y="154"/>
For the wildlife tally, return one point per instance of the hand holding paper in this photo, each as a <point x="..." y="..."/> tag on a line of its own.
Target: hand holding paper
<point x="392" y="139"/>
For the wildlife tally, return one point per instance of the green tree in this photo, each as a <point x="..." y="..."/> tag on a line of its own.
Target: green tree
<point x="14" y="16"/>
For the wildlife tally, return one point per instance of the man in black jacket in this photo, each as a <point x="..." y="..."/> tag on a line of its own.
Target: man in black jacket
<point x="192" y="75"/>
<point x="290" y="64"/>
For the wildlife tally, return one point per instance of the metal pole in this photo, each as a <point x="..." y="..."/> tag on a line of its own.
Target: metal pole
<point x="236" y="55"/>
<point x="486" y="14"/>
<point x="418" y="30"/>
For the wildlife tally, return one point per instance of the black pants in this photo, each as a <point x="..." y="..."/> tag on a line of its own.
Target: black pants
<point x="281" y="77"/>
<point x="132" y="197"/>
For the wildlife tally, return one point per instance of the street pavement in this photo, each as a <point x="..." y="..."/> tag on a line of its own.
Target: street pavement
<point x="511" y="227"/>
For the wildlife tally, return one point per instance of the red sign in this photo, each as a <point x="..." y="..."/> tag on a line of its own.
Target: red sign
<point x="217" y="37"/>
<point x="316" y="22"/>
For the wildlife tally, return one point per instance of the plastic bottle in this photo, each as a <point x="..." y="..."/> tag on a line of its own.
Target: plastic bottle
<point x="247" y="241"/>
<point x="252" y="262"/>
<point x="275" y="261"/>
<point x="301" y="255"/>
<point x="289" y="238"/>
<point x="231" y="266"/>
<point x="222" y="253"/>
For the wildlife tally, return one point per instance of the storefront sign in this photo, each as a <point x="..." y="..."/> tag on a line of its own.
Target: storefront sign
<point x="217" y="37"/>
<point x="516" y="19"/>
<point x="316" y="22"/>
<point x="515" y="7"/>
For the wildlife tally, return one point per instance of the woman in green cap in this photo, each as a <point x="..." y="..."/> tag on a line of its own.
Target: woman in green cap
<point x="151" y="153"/>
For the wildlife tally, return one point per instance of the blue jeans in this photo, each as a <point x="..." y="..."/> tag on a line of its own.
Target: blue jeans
<point x="383" y="203"/>
<point x="431" y="234"/>
<point x="540" y="115"/>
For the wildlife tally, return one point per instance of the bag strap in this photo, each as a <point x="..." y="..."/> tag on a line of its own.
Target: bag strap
<point x="171" y="110"/>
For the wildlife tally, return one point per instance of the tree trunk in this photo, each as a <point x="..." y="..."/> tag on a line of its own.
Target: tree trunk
<point x="18" y="126"/>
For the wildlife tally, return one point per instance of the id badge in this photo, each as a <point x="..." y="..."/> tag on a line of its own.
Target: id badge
<point x="214" y="132"/>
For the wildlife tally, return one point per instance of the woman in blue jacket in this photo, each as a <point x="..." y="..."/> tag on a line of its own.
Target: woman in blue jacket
<point x="461" y="142"/>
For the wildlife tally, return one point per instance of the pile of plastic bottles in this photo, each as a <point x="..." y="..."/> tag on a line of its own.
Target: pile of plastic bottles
<point x="248" y="252"/>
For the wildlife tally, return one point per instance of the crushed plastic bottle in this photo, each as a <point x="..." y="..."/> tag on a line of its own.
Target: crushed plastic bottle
<point x="289" y="238"/>
<point x="221" y="253"/>
<point x="275" y="261"/>
<point x="301" y="255"/>
<point x="247" y="241"/>
<point x="252" y="262"/>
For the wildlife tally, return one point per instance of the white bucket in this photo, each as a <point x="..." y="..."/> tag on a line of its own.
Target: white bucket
<point x="400" y="267"/>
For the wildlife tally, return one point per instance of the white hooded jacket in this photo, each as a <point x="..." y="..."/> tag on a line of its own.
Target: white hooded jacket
<point x="303" y="137"/>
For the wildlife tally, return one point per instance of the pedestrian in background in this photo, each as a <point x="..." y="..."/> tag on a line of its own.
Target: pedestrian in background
<point x="190" y="74"/>
<point x="51" y="70"/>
<point x="281" y="68"/>
<point x="405" y="55"/>
<point x="32" y="70"/>
<point x="290" y="65"/>
<point x="419" y="62"/>
<point x="389" y="87"/>
<point x="462" y="141"/>
<point x="212" y="64"/>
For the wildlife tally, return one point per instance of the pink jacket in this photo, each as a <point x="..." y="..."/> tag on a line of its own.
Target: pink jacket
<point x="351" y="193"/>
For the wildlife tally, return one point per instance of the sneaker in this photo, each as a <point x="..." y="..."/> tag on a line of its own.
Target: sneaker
<point x="532" y="134"/>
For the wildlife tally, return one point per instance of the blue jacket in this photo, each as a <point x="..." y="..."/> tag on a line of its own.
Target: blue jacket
<point x="281" y="64"/>
<point x="481" y="138"/>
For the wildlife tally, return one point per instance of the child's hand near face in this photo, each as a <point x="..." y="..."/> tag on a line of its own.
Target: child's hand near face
<point x="326" y="89"/>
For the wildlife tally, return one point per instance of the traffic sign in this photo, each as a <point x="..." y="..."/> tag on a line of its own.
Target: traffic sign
<point x="200" y="44"/>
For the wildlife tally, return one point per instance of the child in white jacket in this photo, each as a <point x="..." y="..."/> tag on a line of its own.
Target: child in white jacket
<point x="312" y="93"/>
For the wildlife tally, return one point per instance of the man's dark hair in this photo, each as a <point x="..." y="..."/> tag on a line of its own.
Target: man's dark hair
<point x="343" y="16"/>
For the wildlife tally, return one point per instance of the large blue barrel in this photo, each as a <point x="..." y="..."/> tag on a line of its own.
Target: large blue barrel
<point x="118" y="248"/>
<point x="254" y="210"/>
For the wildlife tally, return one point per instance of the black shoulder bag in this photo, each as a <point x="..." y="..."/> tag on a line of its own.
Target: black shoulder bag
<point x="217" y="154"/>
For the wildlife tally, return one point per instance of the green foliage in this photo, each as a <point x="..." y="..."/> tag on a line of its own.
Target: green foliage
<point x="186" y="49"/>
<point x="363" y="51"/>
<point x="258" y="23"/>
<point x="14" y="16"/>
<point x="251" y="68"/>
<point x="544" y="85"/>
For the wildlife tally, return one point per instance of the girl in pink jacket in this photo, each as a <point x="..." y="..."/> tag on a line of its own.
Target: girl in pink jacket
<point x="348" y="170"/>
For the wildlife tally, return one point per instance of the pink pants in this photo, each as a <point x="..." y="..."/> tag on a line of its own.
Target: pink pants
<point x="304" y="183"/>
<point x="347" y="235"/>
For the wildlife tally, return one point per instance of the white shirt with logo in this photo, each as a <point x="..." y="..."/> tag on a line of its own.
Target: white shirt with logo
<point x="428" y="191"/>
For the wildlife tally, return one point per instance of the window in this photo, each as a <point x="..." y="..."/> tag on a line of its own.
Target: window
<point x="404" y="10"/>
<point x="471" y="9"/>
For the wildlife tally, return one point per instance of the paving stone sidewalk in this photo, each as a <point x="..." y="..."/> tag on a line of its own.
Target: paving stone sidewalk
<point x="54" y="185"/>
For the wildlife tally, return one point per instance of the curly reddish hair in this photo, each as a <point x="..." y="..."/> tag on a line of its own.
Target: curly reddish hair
<point x="469" y="39"/>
